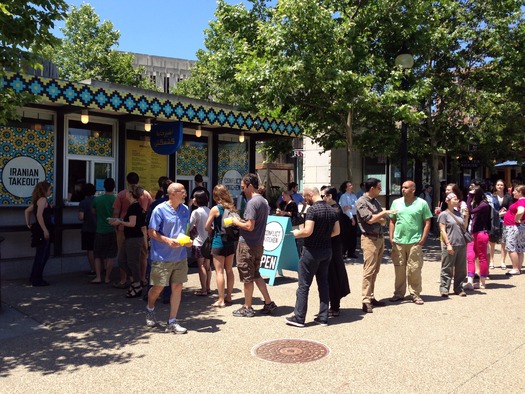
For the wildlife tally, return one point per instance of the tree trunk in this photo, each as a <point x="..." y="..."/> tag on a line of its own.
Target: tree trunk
<point x="349" y="144"/>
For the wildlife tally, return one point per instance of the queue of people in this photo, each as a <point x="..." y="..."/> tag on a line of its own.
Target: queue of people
<point x="169" y="223"/>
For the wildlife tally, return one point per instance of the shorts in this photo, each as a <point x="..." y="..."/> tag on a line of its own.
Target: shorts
<point x="196" y="252"/>
<point x="87" y="240"/>
<point x="163" y="273"/>
<point x="105" y="246"/>
<point x="504" y="234"/>
<point x="249" y="261"/>
<point x="515" y="239"/>
<point x="225" y="251"/>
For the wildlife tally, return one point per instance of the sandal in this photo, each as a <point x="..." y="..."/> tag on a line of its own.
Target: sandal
<point x="118" y="285"/>
<point x="418" y="301"/>
<point x="134" y="291"/>
<point x="200" y="293"/>
<point x="217" y="305"/>
<point x="503" y="266"/>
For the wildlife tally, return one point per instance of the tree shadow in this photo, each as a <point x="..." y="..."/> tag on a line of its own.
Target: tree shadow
<point x="81" y="324"/>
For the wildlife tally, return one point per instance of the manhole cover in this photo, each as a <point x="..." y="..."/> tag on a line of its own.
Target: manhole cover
<point x="293" y="351"/>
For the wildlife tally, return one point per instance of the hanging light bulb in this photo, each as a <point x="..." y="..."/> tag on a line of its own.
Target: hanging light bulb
<point x="147" y="125"/>
<point x="198" y="132"/>
<point x="84" y="117"/>
<point x="241" y="137"/>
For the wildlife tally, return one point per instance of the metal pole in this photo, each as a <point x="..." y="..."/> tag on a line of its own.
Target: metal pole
<point x="404" y="151"/>
<point x="404" y="138"/>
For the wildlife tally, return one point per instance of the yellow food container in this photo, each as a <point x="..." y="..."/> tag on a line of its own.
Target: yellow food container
<point x="183" y="239"/>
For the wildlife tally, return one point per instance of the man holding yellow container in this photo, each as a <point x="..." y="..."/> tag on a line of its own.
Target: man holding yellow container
<point x="169" y="263"/>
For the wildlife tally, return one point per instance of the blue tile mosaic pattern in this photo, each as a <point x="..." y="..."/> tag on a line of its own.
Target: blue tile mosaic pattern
<point x="37" y="144"/>
<point x="85" y="96"/>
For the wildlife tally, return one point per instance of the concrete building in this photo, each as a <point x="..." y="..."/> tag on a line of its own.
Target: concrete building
<point x="165" y="72"/>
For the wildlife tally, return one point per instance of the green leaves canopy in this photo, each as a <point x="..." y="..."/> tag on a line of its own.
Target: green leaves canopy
<point x="329" y="64"/>
<point x="88" y="50"/>
<point x="24" y="25"/>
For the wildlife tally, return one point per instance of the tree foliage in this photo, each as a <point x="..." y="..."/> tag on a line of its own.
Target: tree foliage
<point x="88" y="50"/>
<point x="24" y="25"/>
<point x="330" y="65"/>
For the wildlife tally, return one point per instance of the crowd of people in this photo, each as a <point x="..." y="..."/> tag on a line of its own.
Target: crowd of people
<point x="150" y="240"/>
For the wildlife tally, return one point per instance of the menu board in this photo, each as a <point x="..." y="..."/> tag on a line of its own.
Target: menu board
<point x="141" y="159"/>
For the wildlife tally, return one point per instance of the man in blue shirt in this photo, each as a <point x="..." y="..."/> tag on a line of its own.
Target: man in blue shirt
<point x="169" y="263"/>
<point x="347" y="202"/>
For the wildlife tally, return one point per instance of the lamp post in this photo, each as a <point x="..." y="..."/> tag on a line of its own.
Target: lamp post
<point x="406" y="61"/>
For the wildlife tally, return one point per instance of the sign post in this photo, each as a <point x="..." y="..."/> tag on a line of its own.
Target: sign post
<point x="280" y="250"/>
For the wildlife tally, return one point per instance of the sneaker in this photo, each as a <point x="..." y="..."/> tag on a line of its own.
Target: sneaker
<point x="513" y="272"/>
<point x="292" y="321"/>
<point x="244" y="312"/>
<point x="268" y="308"/>
<point x="151" y="319"/>
<point x="468" y="286"/>
<point x="176" y="328"/>
<point x="322" y="323"/>
<point x="476" y="285"/>
<point x="333" y="313"/>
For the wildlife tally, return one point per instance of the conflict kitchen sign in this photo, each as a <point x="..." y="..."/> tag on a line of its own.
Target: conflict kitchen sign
<point x="280" y="249"/>
<point x="21" y="174"/>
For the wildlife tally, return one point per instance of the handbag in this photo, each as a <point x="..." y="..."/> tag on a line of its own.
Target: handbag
<point x="206" y="248"/>
<point x="466" y="235"/>
<point x="37" y="235"/>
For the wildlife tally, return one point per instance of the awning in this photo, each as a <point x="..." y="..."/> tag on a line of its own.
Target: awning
<point x="508" y="163"/>
<point x="145" y="103"/>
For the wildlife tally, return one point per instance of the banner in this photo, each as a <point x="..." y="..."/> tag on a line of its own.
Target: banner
<point x="166" y="138"/>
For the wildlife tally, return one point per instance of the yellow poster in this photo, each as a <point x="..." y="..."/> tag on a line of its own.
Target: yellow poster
<point x="141" y="159"/>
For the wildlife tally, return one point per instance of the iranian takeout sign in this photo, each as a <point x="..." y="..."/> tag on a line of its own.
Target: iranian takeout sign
<point x="21" y="174"/>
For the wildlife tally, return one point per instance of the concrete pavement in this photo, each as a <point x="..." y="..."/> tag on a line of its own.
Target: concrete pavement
<point x="73" y="337"/>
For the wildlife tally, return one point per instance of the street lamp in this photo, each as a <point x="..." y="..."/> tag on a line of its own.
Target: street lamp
<point x="406" y="61"/>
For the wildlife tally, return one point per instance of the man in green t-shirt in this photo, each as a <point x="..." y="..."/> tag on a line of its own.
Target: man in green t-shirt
<point x="409" y="229"/>
<point x="105" y="247"/>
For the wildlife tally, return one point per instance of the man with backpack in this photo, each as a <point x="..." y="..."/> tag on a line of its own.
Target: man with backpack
<point x="250" y="247"/>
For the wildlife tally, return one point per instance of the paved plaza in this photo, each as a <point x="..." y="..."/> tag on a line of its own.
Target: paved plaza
<point x="73" y="337"/>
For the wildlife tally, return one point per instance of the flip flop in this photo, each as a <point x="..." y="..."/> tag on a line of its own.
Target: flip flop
<point x="200" y="293"/>
<point x="418" y="301"/>
<point x="217" y="305"/>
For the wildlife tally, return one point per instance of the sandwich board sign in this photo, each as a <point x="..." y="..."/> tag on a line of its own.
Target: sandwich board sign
<point x="280" y="250"/>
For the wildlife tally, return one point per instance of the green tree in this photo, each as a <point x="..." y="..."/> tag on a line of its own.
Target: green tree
<point x="330" y="66"/>
<point x="24" y="25"/>
<point x="88" y="50"/>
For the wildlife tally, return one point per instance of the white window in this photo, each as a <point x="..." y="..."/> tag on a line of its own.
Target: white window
<point x="90" y="155"/>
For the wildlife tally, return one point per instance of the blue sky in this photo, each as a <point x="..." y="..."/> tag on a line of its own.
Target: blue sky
<point x="173" y="28"/>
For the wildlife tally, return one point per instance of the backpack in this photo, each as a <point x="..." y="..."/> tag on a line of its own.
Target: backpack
<point x="229" y="233"/>
<point x="495" y="223"/>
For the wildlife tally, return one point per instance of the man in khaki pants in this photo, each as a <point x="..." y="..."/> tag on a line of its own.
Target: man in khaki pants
<point x="409" y="228"/>
<point x="370" y="217"/>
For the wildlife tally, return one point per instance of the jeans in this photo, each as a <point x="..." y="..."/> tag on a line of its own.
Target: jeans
<point x="453" y="263"/>
<point x="478" y="248"/>
<point x="313" y="262"/>
<point x="41" y="256"/>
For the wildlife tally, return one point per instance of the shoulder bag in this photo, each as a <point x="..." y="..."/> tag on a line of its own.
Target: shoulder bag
<point x="206" y="248"/>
